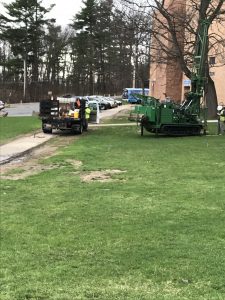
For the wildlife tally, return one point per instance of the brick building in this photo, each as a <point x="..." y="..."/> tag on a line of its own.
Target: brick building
<point x="166" y="76"/>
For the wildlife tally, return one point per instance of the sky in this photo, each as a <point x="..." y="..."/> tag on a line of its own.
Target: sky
<point x="63" y="11"/>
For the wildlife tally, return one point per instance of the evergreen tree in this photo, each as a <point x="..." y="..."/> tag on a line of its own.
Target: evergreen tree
<point x="104" y="40"/>
<point x="23" y="29"/>
<point x="100" y="49"/>
<point x="84" y="42"/>
<point x="56" y="42"/>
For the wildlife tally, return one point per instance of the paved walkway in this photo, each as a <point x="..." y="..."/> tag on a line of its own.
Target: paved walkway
<point x="26" y="144"/>
<point x="22" y="146"/>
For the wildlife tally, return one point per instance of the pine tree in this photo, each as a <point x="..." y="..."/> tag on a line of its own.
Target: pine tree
<point x="23" y="29"/>
<point x="84" y="42"/>
<point x="56" y="42"/>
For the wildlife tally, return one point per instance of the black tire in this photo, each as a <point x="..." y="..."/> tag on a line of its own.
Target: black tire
<point x="46" y="130"/>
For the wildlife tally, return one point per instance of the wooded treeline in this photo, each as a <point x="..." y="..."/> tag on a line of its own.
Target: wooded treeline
<point x="102" y="51"/>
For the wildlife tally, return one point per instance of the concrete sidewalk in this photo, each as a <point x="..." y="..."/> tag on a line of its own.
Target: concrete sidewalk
<point x="22" y="146"/>
<point x="26" y="144"/>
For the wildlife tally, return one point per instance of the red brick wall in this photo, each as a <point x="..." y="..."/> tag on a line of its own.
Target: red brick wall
<point x="166" y="79"/>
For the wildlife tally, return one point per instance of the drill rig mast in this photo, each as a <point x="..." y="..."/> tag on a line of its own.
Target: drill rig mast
<point x="167" y="117"/>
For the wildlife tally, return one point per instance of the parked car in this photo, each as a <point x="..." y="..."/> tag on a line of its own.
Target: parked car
<point x="94" y="115"/>
<point x="103" y="104"/>
<point x="113" y="102"/>
<point x="110" y="103"/>
<point x="118" y="102"/>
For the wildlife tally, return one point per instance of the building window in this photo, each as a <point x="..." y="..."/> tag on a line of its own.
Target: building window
<point x="212" y="60"/>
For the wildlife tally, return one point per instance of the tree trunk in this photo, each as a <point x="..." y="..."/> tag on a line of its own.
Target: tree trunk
<point x="211" y="98"/>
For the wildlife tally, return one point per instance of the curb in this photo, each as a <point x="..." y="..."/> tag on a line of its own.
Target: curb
<point x="12" y="157"/>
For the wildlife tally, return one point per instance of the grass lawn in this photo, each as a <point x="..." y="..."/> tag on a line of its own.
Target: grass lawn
<point x="11" y="127"/>
<point x="156" y="232"/>
<point x="116" y="120"/>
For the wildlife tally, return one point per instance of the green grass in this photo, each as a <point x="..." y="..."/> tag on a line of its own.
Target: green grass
<point x="11" y="127"/>
<point x="116" y="120"/>
<point x="121" y="117"/>
<point x="157" y="232"/>
<point x="212" y="128"/>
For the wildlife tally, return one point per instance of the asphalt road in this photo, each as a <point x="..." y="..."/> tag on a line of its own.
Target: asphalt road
<point x="28" y="109"/>
<point x="22" y="109"/>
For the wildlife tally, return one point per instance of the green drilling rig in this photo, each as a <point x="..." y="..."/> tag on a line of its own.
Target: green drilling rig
<point x="188" y="118"/>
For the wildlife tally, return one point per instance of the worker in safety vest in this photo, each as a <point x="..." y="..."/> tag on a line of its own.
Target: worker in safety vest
<point x="221" y="115"/>
<point x="87" y="113"/>
<point x="87" y="116"/>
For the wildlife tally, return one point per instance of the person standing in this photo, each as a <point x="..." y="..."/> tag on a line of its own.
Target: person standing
<point x="2" y="105"/>
<point x="87" y="112"/>
<point x="77" y="103"/>
<point x="2" y="112"/>
<point x="221" y="115"/>
<point x="87" y="116"/>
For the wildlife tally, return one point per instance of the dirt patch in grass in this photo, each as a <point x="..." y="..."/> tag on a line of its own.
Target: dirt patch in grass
<point x="75" y="163"/>
<point x="30" y="164"/>
<point x="123" y="113"/>
<point x="120" y="114"/>
<point x="22" y="172"/>
<point x="102" y="176"/>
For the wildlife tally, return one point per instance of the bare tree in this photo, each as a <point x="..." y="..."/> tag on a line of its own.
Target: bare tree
<point x="175" y="34"/>
<point x="137" y="25"/>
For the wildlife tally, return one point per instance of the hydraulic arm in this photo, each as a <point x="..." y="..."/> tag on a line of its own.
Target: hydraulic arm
<point x="170" y="118"/>
<point x="198" y="79"/>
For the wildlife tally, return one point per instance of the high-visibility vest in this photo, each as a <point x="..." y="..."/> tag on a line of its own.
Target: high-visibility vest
<point x="222" y="115"/>
<point x="87" y="112"/>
